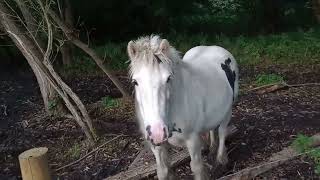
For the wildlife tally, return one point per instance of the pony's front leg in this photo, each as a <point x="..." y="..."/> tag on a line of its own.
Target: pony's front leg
<point x="163" y="164"/>
<point x="194" y="144"/>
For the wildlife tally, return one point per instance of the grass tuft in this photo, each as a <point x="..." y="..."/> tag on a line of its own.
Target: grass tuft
<point x="74" y="152"/>
<point x="264" y="79"/>
<point x="303" y="144"/>
<point x="109" y="102"/>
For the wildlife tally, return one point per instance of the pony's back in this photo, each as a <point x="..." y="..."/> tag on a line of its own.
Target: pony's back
<point x="203" y="55"/>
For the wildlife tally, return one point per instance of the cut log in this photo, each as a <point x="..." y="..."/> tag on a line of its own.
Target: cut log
<point x="34" y="164"/>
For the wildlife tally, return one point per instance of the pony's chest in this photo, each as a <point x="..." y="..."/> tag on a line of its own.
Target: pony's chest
<point x="177" y="140"/>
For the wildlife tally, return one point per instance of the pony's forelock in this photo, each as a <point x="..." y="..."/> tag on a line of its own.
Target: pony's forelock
<point x="148" y="52"/>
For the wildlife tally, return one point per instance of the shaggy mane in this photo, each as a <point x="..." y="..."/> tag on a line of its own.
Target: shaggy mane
<point x="149" y="53"/>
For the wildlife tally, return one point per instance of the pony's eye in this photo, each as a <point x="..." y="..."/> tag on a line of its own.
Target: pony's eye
<point x="134" y="82"/>
<point x="169" y="78"/>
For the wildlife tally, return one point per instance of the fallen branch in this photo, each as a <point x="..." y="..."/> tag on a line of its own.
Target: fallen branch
<point x="144" y="171"/>
<point x="277" y="86"/>
<point x="148" y="170"/>
<point x="261" y="87"/>
<point x="273" y="88"/>
<point x="275" y="160"/>
<point x="305" y="84"/>
<point x="88" y="154"/>
<point x="138" y="157"/>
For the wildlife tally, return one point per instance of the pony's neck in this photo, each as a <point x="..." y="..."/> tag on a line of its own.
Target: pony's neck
<point x="182" y="79"/>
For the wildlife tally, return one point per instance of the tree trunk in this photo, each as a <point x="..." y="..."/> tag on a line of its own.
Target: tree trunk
<point x="30" y="23"/>
<point x="66" y="52"/>
<point x="44" y="71"/>
<point x="52" y="104"/>
<point x="316" y="9"/>
<point x="66" y="48"/>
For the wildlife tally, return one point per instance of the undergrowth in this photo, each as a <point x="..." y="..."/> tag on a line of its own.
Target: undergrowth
<point x="74" y="152"/>
<point x="109" y="102"/>
<point x="286" y="48"/>
<point x="303" y="145"/>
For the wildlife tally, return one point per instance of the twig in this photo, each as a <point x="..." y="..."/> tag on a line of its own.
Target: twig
<point x="85" y="156"/>
<point x="306" y="84"/>
<point x="261" y="87"/>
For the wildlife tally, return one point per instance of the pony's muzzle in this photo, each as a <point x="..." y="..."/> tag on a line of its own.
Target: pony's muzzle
<point x="157" y="133"/>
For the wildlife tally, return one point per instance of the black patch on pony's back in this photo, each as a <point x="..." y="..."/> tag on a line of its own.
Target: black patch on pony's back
<point x="231" y="75"/>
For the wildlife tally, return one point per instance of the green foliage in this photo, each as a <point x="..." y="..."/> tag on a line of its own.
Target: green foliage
<point x="81" y="64"/>
<point x="122" y="19"/>
<point x="52" y="104"/>
<point x="109" y="102"/>
<point x="286" y="48"/>
<point x="303" y="144"/>
<point x="263" y="79"/>
<point x="115" y="53"/>
<point x="74" y="152"/>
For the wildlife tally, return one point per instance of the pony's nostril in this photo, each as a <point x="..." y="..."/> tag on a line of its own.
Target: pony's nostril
<point x="148" y="129"/>
<point x="165" y="136"/>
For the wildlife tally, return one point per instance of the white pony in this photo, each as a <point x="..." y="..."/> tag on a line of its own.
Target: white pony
<point x="177" y="99"/>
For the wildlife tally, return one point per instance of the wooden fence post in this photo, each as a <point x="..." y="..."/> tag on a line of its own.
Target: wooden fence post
<point x="34" y="164"/>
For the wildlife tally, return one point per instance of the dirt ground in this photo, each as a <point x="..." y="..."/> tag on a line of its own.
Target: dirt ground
<point x="266" y="123"/>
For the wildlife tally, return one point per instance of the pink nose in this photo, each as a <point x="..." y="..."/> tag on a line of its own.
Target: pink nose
<point x="157" y="133"/>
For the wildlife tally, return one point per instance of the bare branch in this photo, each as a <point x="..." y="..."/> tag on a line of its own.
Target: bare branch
<point x="100" y="62"/>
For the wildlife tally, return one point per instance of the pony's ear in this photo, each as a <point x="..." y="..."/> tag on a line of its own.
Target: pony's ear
<point x="164" y="46"/>
<point x="132" y="50"/>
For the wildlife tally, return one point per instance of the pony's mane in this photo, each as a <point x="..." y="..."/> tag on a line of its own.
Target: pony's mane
<point x="149" y="53"/>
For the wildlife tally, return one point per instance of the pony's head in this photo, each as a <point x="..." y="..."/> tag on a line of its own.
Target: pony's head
<point x="152" y="70"/>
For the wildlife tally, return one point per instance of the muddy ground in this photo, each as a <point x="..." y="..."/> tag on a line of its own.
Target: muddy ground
<point x="266" y="124"/>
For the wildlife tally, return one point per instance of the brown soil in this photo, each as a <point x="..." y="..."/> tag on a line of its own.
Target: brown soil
<point x="267" y="123"/>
